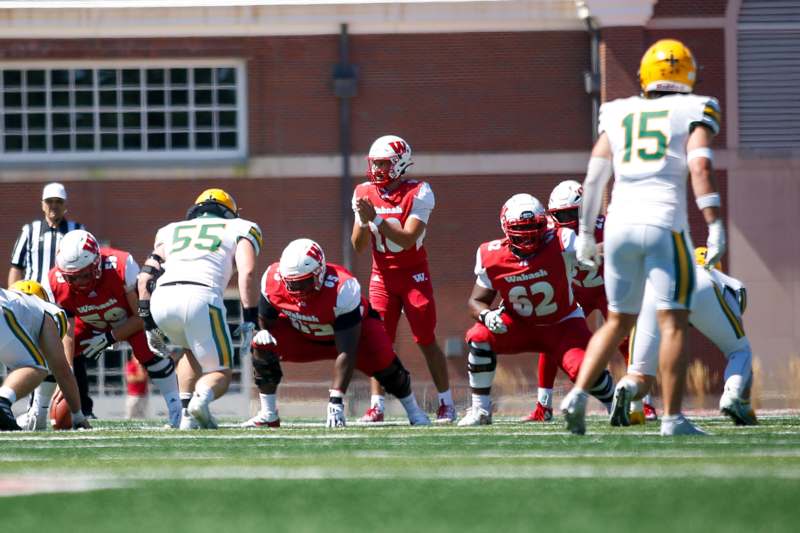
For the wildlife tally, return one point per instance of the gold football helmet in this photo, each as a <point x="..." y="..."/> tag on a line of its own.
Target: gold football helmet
<point x="668" y="65"/>
<point x="214" y="201"/>
<point x="700" y="254"/>
<point x="31" y="287"/>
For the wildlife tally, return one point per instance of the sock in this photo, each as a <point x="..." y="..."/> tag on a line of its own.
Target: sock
<point x="482" y="401"/>
<point x="647" y="399"/>
<point x="204" y="393"/>
<point x="43" y="394"/>
<point x="629" y="384"/>
<point x="446" y="397"/>
<point x="268" y="402"/>
<point x="671" y="419"/>
<point x="185" y="399"/>
<point x="169" y="390"/>
<point x="8" y="393"/>
<point x="545" y="397"/>
<point x="378" y="401"/>
<point x="409" y="403"/>
<point x="734" y="386"/>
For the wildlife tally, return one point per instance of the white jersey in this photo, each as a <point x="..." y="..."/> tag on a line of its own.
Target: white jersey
<point x="25" y="310"/>
<point x="202" y="250"/>
<point x="648" y="139"/>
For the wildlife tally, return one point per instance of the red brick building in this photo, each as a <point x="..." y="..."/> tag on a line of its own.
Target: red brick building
<point x="142" y="105"/>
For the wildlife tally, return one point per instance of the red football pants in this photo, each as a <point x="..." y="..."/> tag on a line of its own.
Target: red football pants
<point x="407" y="290"/>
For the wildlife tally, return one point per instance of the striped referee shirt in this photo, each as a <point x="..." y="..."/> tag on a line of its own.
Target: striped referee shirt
<point x="35" y="249"/>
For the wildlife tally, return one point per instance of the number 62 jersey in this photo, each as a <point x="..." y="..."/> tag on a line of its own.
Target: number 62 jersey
<point x="202" y="250"/>
<point x="536" y="289"/>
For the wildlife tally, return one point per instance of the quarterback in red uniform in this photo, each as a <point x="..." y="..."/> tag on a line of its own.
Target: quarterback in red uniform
<point x="587" y="285"/>
<point x="96" y="287"/>
<point x="312" y="310"/>
<point x="531" y="270"/>
<point x="393" y="213"/>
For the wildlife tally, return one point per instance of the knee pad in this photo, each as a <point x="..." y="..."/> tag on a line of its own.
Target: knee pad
<point x="267" y="371"/>
<point x="395" y="379"/>
<point x="603" y="388"/>
<point x="481" y="364"/>
<point x="160" y="367"/>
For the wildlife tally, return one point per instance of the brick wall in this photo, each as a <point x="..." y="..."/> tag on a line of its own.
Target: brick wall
<point x="690" y="8"/>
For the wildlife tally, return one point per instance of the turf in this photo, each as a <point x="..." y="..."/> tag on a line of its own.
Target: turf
<point x="301" y="477"/>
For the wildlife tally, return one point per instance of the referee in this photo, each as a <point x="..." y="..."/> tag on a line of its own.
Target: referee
<point x="35" y="250"/>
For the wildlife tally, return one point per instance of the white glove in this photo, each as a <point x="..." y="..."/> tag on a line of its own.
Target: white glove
<point x="335" y="415"/>
<point x="92" y="348"/>
<point x="493" y="320"/>
<point x="586" y="250"/>
<point x="264" y="339"/>
<point x="716" y="243"/>
<point x="157" y="342"/>
<point x="246" y="330"/>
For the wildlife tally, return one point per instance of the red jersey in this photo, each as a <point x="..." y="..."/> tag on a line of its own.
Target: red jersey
<point x="588" y="283"/>
<point x="537" y="288"/>
<point x="106" y="305"/>
<point x="411" y="198"/>
<point x="315" y="316"/>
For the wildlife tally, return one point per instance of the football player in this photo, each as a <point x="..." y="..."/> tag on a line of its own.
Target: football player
<point x="651" y="142"/>
<point x="35" y="419"/>
<point x="312" y="310"/>
<point x="192" y="263"/>
<point x="587" y="285"/>
<point x="97" y="289"/>
<point x="716" y="311"/>
<point x="30" y="347"/>
<point x="531" y="270"/>
<point x="393" y="212"/>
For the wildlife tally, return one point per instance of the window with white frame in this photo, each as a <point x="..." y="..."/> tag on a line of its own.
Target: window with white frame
<point x="112" y="111"/>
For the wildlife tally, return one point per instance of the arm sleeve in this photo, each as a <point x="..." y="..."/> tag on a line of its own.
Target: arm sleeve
<point x="481" y="277"/>
<point x="423" y="203"/>
<point x="131" y="271"/>
<point x="19" y="256"/>
<point x="348" y="298"/>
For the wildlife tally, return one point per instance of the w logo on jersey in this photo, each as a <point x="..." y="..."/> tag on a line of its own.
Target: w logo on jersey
<point x="315" y="253"/>
<point x="419" y="278"/>
<point x="399" y="147"/>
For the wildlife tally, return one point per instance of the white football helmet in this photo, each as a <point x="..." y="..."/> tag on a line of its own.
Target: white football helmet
<point x="564" y="203"/>
<point x="301" y="262"/>
<point x="524" y="222"/>
<point x="391" y="149"/>
<point x="78" y="259"/>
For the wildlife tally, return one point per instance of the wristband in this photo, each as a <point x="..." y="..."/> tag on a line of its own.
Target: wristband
<point x="335" y="394"/>
<point x="482" y="316"/>
<point x="250" y="314"/>
<point x="363" y="224"/>
<point x="378" y="220"/>
<point x="708" y="200"/>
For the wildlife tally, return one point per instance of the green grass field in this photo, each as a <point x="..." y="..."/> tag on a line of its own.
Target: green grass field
<point x="506" y="477"/>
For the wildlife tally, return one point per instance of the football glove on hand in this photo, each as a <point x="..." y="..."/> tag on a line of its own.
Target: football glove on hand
<point x="493" y="320"/>
<point x="586" y="250"/>
<point x="335" y="414"/>
<point x="264" y="340"/>
<point x="157" y="342"/>
<point x="79" y="421"/>
<point x="246" y="330"/>
<point x="94" y="347"/>
<point x="716" y="243"/>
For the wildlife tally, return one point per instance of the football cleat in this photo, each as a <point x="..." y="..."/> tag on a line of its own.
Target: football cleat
<point x="446" y="414"/>
<point x="650" y="412"/>
<point x="187" y="421"/>
<point x="681" y="426"/>
<point x="372" y="415"/>
<point x="738" y="410"/>
<point x="200" y="411"/>
<point x="263" y="420"/>
<point x="418" y="418"/>
<point x="540" y="414"/>
<point x="620" y="407"/>
<point x="7" y="420"/>
<point x="573" y="407"/>
<point x="476" y="416"/>
<point x="33" y="419"/>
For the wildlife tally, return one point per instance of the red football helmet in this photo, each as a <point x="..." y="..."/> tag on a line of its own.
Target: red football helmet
<point x="78" y="260"/>
<point x="389" y="157"/>
<point x="302" y="267"/>
<point x="565" y="202"/>
<point x="524" y="222"/>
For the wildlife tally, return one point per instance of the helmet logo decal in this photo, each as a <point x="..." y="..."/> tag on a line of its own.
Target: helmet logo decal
<point x="314" y="252"/>
<point x="90" y="245"/>
<point x="399" y="147"/>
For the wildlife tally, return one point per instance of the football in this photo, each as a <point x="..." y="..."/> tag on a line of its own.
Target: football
<point x="60" y="415"/>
